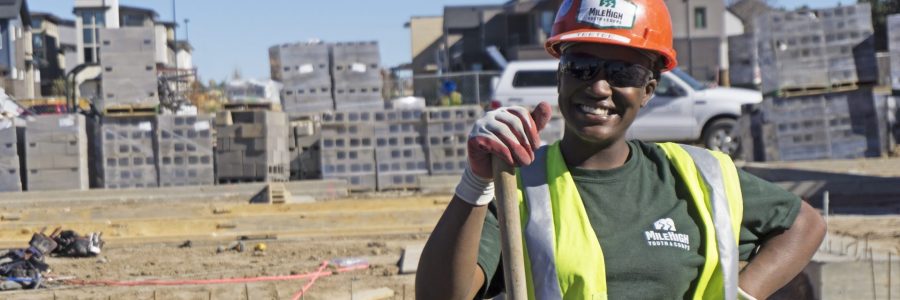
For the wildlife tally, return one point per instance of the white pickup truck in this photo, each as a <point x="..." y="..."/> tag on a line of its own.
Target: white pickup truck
<point x="682" y="110"/>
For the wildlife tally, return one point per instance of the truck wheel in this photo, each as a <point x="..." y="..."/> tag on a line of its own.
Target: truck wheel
<point x="720" y="136"/>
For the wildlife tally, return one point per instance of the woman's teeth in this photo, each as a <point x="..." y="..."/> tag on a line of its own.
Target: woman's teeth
<point x="594" y="110"/>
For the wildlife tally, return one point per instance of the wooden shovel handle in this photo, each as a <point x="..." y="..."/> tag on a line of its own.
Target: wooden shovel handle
<point x="506" y="191"/>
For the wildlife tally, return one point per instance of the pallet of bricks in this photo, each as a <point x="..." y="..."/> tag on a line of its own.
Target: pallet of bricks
<point x="791" y="51"/>
<point x="348" y="148"/>
<point x="446" y="134"/>
<point x="816" y="50"/>
<point x="304" y="72"/>
<point x="56" y="153"/>
<point x="303" y="141"/>
<point x="10" y="170"/>
<point x="124" y="151"/>
<point x="184" y="147"/>
<point x="356" y="71"/>
<point x="400" y="149"/>
<point x="743" y="61"/>
<point x="252" y="146"/>
<point x="849" y="44"/>
<point x="834" y="125"/>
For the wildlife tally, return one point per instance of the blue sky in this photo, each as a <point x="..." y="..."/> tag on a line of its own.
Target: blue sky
<point x="236" y="34"/>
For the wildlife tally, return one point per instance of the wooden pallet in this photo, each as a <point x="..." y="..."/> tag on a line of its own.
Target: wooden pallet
<point x="815" y="90"/>
<point x="131" y="110"/>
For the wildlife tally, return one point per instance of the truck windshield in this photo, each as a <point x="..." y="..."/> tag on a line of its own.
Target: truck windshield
<point x="696" y="85"/>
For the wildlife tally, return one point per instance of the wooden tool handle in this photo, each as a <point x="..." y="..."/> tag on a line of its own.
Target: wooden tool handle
<point x="510" y="230"/>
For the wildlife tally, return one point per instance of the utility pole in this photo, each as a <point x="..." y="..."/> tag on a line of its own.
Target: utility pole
<point x="187" y="33"/>
<point x="175" y="36"/>
<point x="687" y="23"/>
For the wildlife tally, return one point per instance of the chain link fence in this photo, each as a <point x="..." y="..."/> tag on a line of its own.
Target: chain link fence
<point x="475" y="87"/>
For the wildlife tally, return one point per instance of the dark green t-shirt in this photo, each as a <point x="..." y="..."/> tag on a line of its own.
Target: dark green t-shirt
<point x="632" y="207"/>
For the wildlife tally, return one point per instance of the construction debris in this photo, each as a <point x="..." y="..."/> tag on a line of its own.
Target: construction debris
<point x="233" y="246"/>
<point x="410" y="260"/>
<point x="71" y="244"/>
<point x="22" y="268"/>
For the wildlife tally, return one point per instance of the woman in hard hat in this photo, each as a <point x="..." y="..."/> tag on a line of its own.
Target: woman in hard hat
<point x="603" y="217"/>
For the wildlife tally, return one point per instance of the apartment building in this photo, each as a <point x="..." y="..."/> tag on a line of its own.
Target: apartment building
<point x="52" y="43"/>
<point x="18" y="75"/>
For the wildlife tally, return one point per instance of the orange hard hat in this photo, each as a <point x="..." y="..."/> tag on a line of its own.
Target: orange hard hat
<point x="642" y="24"/>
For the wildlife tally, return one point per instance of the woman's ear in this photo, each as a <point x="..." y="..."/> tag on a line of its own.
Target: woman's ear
<point x="649" y="92"/>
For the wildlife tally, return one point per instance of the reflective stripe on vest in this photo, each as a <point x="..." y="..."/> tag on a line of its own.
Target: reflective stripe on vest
<point x="565" y="260"/>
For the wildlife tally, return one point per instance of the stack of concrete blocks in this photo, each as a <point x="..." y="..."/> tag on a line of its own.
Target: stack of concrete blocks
<point x="791" y="50"/>
<point x="56" y="153"/>
<point x="126" y="152"/>
<point x="893" y="33"/>
<point x="304" y="71"/>
<point x="348" y="148"/>
<point x="850" y="44"/>
<point x="446" y="134"/>
<point x="356" y="69"/>
<point x="828" y="125"/>
<point x="185" y="150"/>
<point x="252" y="146"/>
<point x="400" y="149"/>
<point x="304" y="136"/>
<point x="128" y="59"/>
<point x="743" y="61"/>
<point x="10" y="171"/>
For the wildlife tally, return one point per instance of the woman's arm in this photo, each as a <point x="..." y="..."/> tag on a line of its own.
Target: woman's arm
<point x="448" y="268"/>
<point x="783" y="256"/>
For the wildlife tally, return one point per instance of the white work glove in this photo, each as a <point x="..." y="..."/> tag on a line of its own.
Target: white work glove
<point x="511" y="134"/>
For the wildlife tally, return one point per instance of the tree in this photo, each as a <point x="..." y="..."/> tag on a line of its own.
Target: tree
<point x="880" y="10"/>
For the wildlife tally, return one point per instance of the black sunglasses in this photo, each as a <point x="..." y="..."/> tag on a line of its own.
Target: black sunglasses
<point x="618" y="73"/>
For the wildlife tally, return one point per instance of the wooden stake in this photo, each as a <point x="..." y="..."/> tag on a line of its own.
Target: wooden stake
<point x="510" y="230"/>
<point x="872" y="266"/>
<point x="246" y="292"/>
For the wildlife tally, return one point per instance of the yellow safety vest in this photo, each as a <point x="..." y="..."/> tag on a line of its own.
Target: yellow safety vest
<point x="564" y="260"/>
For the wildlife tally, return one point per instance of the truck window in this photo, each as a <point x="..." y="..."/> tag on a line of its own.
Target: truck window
<point x="534" y="78"/>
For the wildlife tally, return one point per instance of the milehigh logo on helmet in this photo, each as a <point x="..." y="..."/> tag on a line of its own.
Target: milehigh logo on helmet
<point x="610" y="14"/>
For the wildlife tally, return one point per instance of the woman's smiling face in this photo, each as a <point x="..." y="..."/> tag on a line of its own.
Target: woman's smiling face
<point x="601" y="89"/>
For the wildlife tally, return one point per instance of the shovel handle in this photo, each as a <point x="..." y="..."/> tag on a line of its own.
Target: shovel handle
<point x="506" y="193"/>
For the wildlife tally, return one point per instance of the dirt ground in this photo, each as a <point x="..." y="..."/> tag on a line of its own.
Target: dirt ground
<point x="143" y="242"/>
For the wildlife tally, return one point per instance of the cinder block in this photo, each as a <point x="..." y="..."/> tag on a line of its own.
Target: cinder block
<point x="399" y="180"/>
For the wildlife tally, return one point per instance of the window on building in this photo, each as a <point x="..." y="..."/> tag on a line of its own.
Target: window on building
<point x="36" y="23"/>
<point x="88" y="54"/>
<point x="88" y="35"/>
<point x="700" y="17"/>
<point x="132" y="20"/>
<point x="100" y="18"/>
<point x="38" y="51"/>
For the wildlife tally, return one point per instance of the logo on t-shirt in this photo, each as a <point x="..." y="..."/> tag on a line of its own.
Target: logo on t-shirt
<point x="665" y="235"/>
